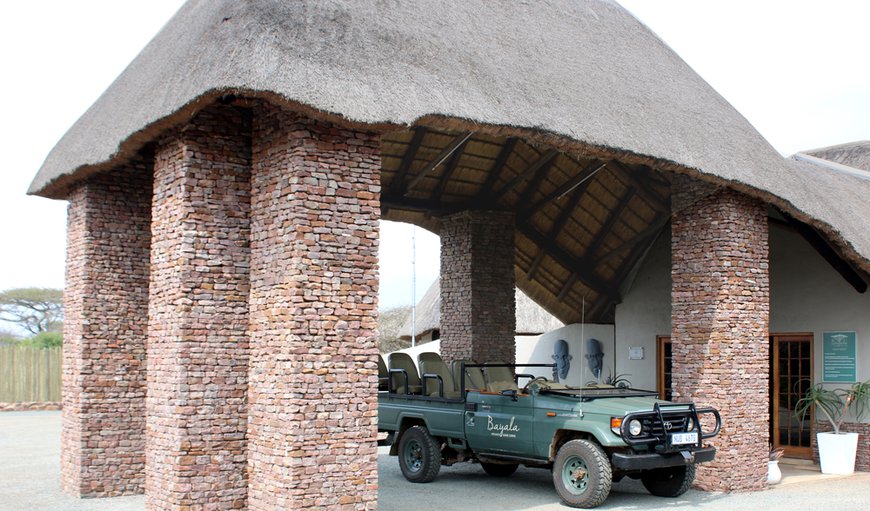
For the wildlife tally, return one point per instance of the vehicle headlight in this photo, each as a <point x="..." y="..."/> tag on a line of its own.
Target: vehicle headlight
<point x="635" y="427"/>
<point x="690" y="424"/>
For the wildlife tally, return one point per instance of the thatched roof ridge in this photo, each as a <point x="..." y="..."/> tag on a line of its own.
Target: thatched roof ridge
<point x="853" y="154"/>
<point x="581" y="76"/>
<point x="531" y="318"/>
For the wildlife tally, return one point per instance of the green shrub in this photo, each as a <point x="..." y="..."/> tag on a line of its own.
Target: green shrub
<point x="44" y="340"/>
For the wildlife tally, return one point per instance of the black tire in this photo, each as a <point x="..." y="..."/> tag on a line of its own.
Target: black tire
<point x="419" y="455"/>
<point x="582" y="474"/>
<point x="669" y="482"/>
<point x="499" y="469"/>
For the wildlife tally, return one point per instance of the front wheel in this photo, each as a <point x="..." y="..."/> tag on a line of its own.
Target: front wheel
<point x="499" y="469"/>
<point x="669" y="482"/>
<point x="582" y="474"/>
<point x="419" y="455"/>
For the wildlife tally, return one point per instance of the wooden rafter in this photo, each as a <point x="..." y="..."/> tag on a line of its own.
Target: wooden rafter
<point x="614" y="215"/>
<point x="500" y="162"/>
<point x="535" y="182"/>
<point x="522" y="176"/>
<point x="825" y="250"/>
<point x="581" y="179"/>
<point x="640" y="237"/>
<point x="629" y="262"/>
<point x="566" y="259"/>
<point x="649" y="193"/>
<point x="397" y="186"/>
<point x="449" y="169"/>
<point x="567" y="286"/>
<point x="443" y="155"/>
<point x="564" y="214"/>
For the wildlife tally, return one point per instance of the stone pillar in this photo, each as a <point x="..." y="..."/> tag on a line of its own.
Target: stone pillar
<point x="720" y="295"/>
<point x="314" y="284"/>
<point x="106" y="316"/>
<point x="198" y="317"/>
<point x="478" y="300"/>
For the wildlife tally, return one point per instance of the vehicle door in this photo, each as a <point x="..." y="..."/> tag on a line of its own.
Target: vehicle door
<point x="500" y="424"/>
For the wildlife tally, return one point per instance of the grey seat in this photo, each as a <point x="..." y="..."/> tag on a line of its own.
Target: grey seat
<point x="401" y="366"/>
<point x="499" y="378"/>
<point x="383" y="374"/>
<point x="433" y="370"/>
<point x="473" y="375"/>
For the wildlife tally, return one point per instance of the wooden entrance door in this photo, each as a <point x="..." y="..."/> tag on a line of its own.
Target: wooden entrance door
<point x="791" y="360"/>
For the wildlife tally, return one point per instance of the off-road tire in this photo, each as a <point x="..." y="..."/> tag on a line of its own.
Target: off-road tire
<point x="419" y="455"/>
<point x="593" y="485"/>
<point x="499" y="469"/>
<point x="668" y="482"/>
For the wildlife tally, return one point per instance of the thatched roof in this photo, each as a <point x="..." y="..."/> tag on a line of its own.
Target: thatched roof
<point x="503" y="105"/>
<point x="854" y="154"/>
<point x="531" y="318"/>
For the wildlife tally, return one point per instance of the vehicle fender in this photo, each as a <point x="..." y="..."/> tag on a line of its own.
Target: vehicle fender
<point x="407" y="420"/>
<point x="588" y="429"/>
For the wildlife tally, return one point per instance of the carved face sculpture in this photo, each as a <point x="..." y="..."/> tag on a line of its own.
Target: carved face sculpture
<point x="594" y="356"/>
<point x="563" y="360"/>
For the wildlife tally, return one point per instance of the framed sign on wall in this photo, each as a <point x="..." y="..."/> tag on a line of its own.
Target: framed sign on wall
<point x="840" y="357"/>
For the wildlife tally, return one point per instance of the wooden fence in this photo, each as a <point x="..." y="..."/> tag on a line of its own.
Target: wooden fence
<point x="29" y="374"/>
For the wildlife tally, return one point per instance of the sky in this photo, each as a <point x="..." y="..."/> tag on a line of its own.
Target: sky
<point x="795" y="69"/>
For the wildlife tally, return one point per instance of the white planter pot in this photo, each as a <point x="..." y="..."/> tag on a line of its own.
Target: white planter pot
<point x="774" y="474"/>
<point x="837" y="452"/>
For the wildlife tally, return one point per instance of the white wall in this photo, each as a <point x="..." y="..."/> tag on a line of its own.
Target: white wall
<point x="645" y="313"/>
<point x="539" y="350"/>
<point x="808" y="296"/>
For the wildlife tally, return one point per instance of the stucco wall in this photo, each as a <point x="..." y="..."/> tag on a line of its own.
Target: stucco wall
<point x="808" y="296"/>
<point x="645" y="313"/>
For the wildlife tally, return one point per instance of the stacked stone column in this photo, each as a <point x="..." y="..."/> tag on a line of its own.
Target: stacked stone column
<point x="103" y="439"/>
<point x="313" y="315"/>
<point x="198" y="317"/>
<point x="720" y="318"/>
<point x="478" y="301"/>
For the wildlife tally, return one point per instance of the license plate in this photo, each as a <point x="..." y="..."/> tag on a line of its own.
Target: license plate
<point x="684" y="438"/>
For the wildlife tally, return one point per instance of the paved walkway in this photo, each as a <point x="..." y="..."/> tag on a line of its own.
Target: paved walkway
<point x="30" y="474"/>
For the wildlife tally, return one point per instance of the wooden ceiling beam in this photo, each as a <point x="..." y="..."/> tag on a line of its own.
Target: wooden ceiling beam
<point x="812" y="236"/>
<point x="583" y="179"/>
<point x="630" y="261"/>
<point x="445" y="153"/>
<point x="614" y="215"/>
<point x="567" y="287"/>
<point x="535" y="182"/>
<point x="567" y="260"/>
<point x="497" y="167"/>
<point x="640" y="237"/>
<point x="397" y="186"/>
<point x="564" y="214"/>
<point x="449" y="169"/>
<point x="650" y="194"/>
<point x="545" y="159"/>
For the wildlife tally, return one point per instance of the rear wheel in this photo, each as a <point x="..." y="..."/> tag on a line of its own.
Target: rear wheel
<point x="499" y="469"/>
<point x="669" y="482"/>
<point x="582" y="474"/>
<point x="419" y="455"/>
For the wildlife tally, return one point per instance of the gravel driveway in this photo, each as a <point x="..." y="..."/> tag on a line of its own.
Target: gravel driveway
<point x="30" y="475"/>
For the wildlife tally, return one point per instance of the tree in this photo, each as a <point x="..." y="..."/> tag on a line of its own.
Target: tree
<point x="34" y="309"/>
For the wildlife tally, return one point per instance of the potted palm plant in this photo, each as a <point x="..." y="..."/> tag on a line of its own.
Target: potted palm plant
<point x="837" y="449"/>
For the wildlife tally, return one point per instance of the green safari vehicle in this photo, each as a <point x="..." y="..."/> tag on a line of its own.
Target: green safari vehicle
<point x="588" y="436"/>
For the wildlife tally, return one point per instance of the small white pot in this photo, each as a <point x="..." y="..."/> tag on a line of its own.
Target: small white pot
<point x="774" y="474"/>
<point x="837" y="452"/>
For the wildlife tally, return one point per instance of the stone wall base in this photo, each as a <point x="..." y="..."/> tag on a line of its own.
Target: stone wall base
<point x="862" y="463"/>
<point x="30" y="406"/>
